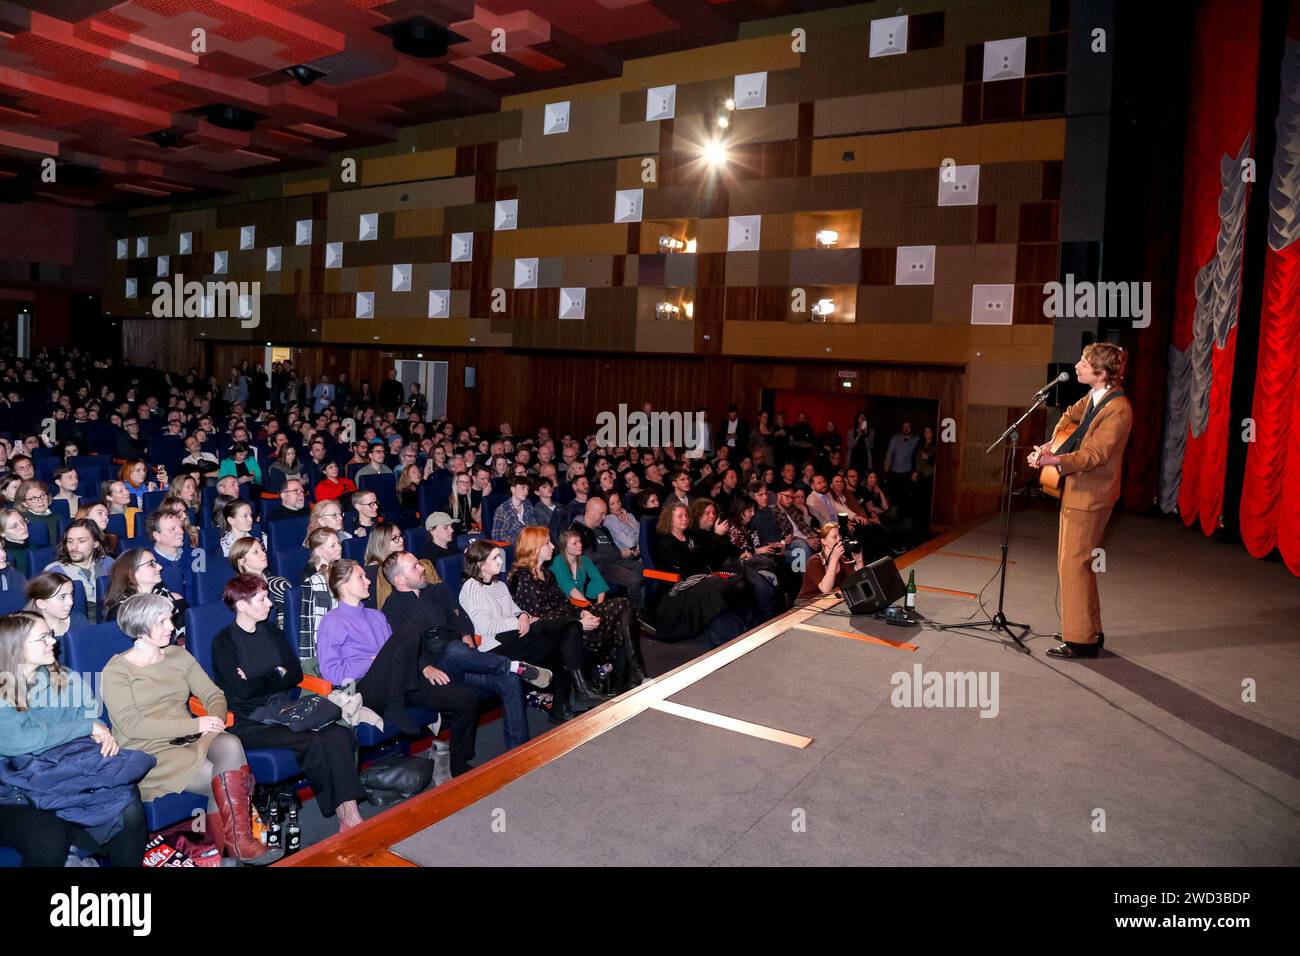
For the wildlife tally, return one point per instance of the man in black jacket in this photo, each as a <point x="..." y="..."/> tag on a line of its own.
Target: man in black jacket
<point x="448" y="645"/>
<point x="616" y="565"/>
<point x="390" y="393"/>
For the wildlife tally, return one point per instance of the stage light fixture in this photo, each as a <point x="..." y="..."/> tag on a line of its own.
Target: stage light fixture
<point x="715" y="154"/>
<point x="305" y="75"/>
<point x="826" y="238"/>
<point x="164" y="138"/>
<point x="669" y="244"/>
<point x="666" y="310"/>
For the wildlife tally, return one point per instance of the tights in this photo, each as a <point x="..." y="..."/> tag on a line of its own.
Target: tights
<point x="225" y="754"/>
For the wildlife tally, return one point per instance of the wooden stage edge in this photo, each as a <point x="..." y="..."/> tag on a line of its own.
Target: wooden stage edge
<point x="369" y="844"/>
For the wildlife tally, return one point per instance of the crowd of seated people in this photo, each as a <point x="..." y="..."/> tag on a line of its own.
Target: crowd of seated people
<point x="321" y="517"/>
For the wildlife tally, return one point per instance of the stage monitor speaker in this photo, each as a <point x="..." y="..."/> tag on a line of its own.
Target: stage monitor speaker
<point x="874" y="588"/>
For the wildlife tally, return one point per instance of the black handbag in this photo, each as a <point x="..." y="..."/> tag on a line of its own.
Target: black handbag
<point x="391" y="779"/>
<point x="302" y="715"/>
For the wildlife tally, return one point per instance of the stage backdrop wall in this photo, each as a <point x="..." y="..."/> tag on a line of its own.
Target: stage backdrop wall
<point x="828" y="134"/>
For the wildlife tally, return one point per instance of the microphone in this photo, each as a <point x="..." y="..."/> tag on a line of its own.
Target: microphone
<point x="1063" y="377"/>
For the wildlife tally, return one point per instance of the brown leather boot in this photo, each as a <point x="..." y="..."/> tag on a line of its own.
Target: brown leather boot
<point x="233" y="792"/>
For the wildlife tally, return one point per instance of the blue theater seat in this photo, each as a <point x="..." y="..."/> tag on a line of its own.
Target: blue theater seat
<point x="418" y="542"/>
<point x="209" y="585"/>
<point x="202" y="624"/>
<point x="288" y="563"/>
<point x="88" y="649"/>
<point x="38" y="534"/>
<point x="354" y="549"/>
<point x="285" y="534"/>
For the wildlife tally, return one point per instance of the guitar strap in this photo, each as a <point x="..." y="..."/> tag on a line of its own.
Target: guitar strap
<point x="1076" y="439"/>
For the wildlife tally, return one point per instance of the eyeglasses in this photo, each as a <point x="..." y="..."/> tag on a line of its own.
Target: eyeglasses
<point x="367" y="504"/>
<point x="148" y="563"/>
<point x="39" y="496"/>
<point x="46" y="638"/>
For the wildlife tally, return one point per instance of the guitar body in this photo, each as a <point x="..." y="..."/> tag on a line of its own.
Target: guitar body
<point x="1049" y="478"/>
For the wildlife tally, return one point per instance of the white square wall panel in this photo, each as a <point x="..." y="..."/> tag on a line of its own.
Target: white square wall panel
<point x="507" y="214"/>
<point x="131" y="287"/>
<point x="627" y="205"/>
<point x="959" y="185"/>
<point x="991" y="304"/>
<point x="573" y="303"/>
<point x="186" y="243"/>
<point x="660" y="103"/>
<point x="368" y="227"/>
<point x="462" y="246"/>
<point x="142" y="246"/>
<point x="302" y="233"/>
<point x="123" y="248"/>
<point x="220" y="261"/>
<point x="274" y="257"/>
<point x="1004" y="59"/>
<point x="246" y="236"/>
<point x="526" y="273"/>
<point x="742" y="233"/>
<point x="333" y="255"/>
<point x="402" y="277"/>
<point x="750" y="91"/>
<point x="439" y="303"/>
<point x="914" y="265"/>
<point x="555" y="118"/>
<point x="888" y="37"/>
<point x="365" y="305"/>
<point x="164" y="265"/>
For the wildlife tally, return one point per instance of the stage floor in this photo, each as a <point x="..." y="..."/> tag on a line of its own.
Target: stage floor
<point x="1148" y="755"/>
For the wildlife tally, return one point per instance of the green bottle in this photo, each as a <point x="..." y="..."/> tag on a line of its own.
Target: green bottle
<point x="910" y="600"/>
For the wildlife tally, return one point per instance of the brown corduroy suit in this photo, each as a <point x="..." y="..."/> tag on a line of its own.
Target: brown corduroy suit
<point x="1092" y="478"/>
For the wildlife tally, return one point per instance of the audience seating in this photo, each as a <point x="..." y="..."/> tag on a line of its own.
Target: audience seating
<point x="418" y="542"/>
<point x="286" y="533"/>
<point x="354" y="549"/>
<point x="88" y="649"/>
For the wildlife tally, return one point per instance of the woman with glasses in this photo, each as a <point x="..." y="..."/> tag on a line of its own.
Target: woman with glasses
<point x="32" y="723"/>
<point x="17" y="540"/>
<point x="383" y="541"/>
<point x="328" y="514"/>
<point x="248" y="556"/>
<point x="34" y="505"/>
<point x="137" y="571"/>
<point x="50" y="596"/>
<point x="364" y="518"/>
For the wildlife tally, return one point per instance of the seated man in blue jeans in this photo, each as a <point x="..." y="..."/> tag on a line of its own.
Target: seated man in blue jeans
<point x="414" y="603"/>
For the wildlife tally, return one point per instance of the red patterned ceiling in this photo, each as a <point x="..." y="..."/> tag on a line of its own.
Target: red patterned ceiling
<point x="91" y="79"/>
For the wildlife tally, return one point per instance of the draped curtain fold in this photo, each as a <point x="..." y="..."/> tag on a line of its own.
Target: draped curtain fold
<point x="1270" y="497"/>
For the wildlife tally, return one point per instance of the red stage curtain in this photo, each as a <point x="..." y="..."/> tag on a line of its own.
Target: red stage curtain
<point x="1220" y="134"/>
<point x="1270" y="496"/>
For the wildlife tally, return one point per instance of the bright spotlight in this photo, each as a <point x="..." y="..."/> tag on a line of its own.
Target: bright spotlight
<point x="716" y="154"/>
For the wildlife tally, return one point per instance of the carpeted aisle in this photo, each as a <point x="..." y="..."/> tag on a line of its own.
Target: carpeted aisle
<point x="1146" y="756"/>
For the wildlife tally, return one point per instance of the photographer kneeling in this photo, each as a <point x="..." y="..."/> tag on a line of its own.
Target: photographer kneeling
<point x="827" y="570"/>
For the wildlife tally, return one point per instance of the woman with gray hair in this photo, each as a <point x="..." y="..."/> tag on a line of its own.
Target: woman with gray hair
<point x="147" y="690"/>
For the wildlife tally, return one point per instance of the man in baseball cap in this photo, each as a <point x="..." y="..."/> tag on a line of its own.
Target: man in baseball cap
<point x="442" y="529"/>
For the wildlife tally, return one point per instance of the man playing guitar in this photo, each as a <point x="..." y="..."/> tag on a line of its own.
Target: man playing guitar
<point x="1090" y="461"/>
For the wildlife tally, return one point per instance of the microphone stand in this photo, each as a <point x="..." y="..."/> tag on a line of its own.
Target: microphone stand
<point x="998" y="623"/>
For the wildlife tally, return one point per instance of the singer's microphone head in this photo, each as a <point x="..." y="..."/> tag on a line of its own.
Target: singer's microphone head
<point x="1063" y="377"/>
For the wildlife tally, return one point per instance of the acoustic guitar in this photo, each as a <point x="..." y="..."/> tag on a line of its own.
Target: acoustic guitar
<point x="1049" y="478"/>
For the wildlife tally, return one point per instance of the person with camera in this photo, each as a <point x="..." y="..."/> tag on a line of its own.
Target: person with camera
<point x="827" y="570"/>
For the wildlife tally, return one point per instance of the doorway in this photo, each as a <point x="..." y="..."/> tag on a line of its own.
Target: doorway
<point x="432" y="379"/>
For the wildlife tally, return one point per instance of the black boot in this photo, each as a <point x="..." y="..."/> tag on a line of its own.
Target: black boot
<point x="560" y="713"/>
<point x="584" y="695"/>
<point x="633" y="670"/>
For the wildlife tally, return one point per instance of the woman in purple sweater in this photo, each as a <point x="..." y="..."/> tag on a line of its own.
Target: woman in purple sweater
<point x="355" y="643"/>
